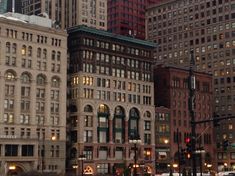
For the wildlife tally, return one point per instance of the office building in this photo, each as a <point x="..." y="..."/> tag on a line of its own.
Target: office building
<point x="128" y="17"/>
<point x="172" y="92"/>
<point x="33" y="94"/>
<point x="3" y="6"/>
<point x="66" y="14"/>
<point x="6" y="6"/>
<point x="111" y="101"/>
<point x="207" y="27"/>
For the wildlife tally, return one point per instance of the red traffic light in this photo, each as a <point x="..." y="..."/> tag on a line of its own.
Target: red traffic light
<point x="187" y="140"/>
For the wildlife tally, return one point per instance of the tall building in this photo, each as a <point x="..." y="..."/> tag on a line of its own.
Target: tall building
<point x="46" y="8"/>
<point x="3" y="6"/>
<point x="128" y="17"/>
<point x="92" y="13"/>
<point x="111" y="101"/>
<point x="33" y="94"/>
<point x="66" y="14"/>
<point x="172" y="92"/>
<point x="208" y="28"/>
<point x="6" y="6"/>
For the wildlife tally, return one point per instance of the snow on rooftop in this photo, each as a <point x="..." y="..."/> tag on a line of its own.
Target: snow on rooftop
<point x="32" y="19"/>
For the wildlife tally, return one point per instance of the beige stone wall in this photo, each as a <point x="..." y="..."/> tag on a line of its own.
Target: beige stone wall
<point x="17" y="131"/>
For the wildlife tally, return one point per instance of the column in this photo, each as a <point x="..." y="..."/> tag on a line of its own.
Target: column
<point x="110" y="130"/>
<point x="17" y="100"/>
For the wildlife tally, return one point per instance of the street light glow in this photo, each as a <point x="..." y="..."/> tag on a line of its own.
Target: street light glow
<point x="166" y="141"/>
<point x="12" y="167"/>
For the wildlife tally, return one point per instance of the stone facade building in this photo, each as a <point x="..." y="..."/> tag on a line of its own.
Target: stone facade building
<point x="110" y="101"/>
<point x="33" y="67"/>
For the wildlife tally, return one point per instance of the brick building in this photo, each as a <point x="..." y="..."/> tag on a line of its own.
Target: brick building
<point x="171" y="91"/>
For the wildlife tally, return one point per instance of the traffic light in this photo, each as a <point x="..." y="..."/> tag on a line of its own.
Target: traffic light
<point x="225" y="144"/>
<point x="188" y="145"/>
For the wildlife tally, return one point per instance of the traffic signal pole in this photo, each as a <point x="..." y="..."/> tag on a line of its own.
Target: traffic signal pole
<point x="192" y="107"/>
<point x="179" y="152"/>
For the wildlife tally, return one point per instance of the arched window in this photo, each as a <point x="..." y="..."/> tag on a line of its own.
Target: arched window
<point x="103" y="123"/>
<point x="41" y="80"/>
<point x="147" y="114"/>
<point x="23" y="50"/>
<point x="14" y="48"/>
<point x="103" y="109"/>
<point x="58" y="56"/>
<point x="134" y="122"/>
<point x="8" y="47"/>
<point x="44" y="54"/>
<point x="25" y="78"/>
<point x="53" y="55"/>
<point x="30" y="51"/>
<point x="10" y="76"/>
<point x="119" y="111"/>
<point x="88" y="108"/>
<point x="118" y="124"/>
<point x="39" y="52"/>
<point x="55" y="82"/>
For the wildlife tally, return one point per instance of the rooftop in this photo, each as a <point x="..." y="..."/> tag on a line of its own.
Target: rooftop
<point x="83" y="28"/>
<point x="32" y="19"/>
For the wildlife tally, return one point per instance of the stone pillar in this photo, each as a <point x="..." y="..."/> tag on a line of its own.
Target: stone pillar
<point x="33" y="102"/>
<point x="110" y="121"/>
<point x="17" y="100"/>
<point x="47" y="108"/>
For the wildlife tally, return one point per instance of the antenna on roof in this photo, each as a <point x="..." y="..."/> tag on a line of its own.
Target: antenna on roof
<point x="13" y="6"/>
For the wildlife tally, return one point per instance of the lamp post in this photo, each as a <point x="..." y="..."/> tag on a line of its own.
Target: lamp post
<point x="135" y="140"/>
<point x="82" y="158"/>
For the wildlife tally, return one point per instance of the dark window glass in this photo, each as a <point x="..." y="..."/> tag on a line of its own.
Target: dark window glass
<point x="11" y="150"/>
<point x="27" y="150"/>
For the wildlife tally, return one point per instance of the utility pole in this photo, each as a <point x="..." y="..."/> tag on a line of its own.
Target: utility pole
<point x="192" y="107"/>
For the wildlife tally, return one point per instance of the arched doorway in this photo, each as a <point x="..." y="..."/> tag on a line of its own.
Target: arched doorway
<point x="14" y="171"/>
<point x="88" y="170"/>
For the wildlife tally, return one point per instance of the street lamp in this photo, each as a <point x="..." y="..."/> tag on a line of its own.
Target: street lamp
<point x="82" y="158"/>
<point x="135" y="140"/>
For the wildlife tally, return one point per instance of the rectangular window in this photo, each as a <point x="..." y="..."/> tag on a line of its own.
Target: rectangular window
<point x="147" y="125"/>
<point x="102" y="136"/>
<point x="88" y="136"/>
<point x="11" y="150"/>
<point x="103" y="122"/>
<point x="27" y="150"/>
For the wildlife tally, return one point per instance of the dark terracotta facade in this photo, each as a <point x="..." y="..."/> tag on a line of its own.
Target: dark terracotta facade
<point x="128" y="17"/>
<point x="171" y="91"/>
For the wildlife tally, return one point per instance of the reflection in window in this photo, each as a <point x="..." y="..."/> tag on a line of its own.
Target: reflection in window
<point x="10" y="76"/>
